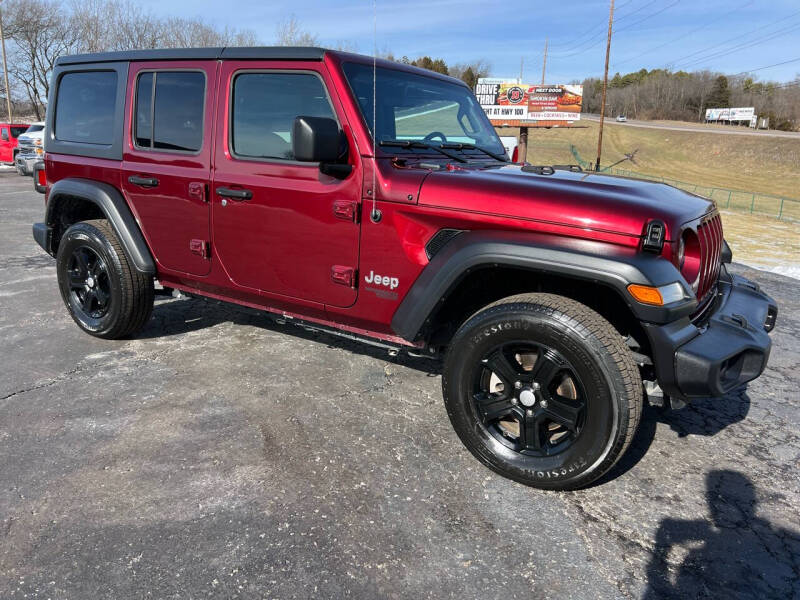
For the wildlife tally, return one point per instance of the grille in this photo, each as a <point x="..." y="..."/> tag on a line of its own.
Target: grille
<point x="710" y="235"/>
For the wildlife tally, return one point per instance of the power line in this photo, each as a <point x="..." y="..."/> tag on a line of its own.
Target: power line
<point x="733" y="39"/>
<point x="786" y="62"/>
<point x="630" y="25"/>
<point x="599" y="28"/>
<point x="744" y="45"/>
<point x="680" y="37"/>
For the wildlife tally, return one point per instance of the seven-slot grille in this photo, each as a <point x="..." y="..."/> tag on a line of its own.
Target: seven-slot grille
<point x="709" y="233"/>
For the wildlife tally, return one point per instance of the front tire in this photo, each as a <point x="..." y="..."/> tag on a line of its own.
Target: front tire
<point x="104" y="294"/>
<point x="542" y="390"/>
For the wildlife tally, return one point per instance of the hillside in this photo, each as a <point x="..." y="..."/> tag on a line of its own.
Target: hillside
<point x="751" y="163"/>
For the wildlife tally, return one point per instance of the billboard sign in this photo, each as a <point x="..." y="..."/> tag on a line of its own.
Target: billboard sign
<point x="730" y="114"/>
<point x="514" y="104"/>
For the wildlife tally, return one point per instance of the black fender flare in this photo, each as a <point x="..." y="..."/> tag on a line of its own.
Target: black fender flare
<point x="593" y="261"/>
<point x="110" y="201"/>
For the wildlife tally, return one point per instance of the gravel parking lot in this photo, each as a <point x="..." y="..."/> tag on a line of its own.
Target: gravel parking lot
<point x="220" y="454"/>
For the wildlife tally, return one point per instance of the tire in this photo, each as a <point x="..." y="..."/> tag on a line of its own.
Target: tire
<point x="104" y="294"/>
<point x="574" y="406"/>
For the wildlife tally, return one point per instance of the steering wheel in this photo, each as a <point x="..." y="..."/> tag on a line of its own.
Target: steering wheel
<point x="433" y="134"/>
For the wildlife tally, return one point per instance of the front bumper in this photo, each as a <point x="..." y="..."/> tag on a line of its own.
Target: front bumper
<point x="727" y="348"/>
<point x="26" y="162"/>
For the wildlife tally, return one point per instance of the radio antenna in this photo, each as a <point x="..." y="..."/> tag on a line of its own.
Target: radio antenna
<point x="375" y="215"/>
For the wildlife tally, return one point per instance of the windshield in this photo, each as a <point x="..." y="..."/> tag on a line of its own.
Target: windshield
<point x="413" y="107"/>
<point x="34" y="128"/>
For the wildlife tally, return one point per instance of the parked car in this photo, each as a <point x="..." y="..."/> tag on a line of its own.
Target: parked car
<point x="31" y="148"/>
<point x="9" y="132"/>
<point x="622" y="119"/>
<point x="375" y="201"/>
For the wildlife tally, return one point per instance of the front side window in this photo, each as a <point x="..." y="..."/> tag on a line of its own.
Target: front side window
<point x="85" y="107"/>
<point x="169" y="110"/>
<point x="265" y="106"/>
<point x="409" y="107"/>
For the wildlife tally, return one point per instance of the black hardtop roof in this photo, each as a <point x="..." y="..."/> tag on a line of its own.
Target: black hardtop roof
<point x="242" y="53"/>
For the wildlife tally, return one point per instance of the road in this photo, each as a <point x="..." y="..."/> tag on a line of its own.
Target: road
<point x="221" y="455"/>
<point x="698" y="128"/>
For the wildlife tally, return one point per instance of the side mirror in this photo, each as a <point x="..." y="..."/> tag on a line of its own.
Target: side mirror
<point x="315" y="139"/>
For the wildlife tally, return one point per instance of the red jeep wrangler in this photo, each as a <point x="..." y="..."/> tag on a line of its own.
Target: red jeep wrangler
<point x="375" y="200"/>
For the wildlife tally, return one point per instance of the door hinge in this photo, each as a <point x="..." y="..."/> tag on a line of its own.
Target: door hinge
<point x="343" y="275"/>
<point x="201" y="247"/>
<point x="197" y="190"/>
<point x="345" y="210"/>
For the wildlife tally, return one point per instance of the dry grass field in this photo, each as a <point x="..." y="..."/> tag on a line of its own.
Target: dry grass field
<point x="755" y="163"/>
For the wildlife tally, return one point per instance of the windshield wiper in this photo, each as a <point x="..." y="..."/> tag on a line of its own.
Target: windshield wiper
<point x="420" y="144"/>
<point x="460" y="146"/>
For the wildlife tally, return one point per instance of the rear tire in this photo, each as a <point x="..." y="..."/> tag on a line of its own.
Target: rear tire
<point x="542" y="390"/>
<point x="104" y="294"/>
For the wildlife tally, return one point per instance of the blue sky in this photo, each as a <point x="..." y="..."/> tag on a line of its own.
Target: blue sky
<point x="731" y="36"/>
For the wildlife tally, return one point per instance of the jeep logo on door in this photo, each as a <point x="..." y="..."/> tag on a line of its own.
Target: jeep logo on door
<point x="515" y="95"/>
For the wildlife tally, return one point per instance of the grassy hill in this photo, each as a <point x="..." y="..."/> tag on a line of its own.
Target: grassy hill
<point x="754" y="163"/>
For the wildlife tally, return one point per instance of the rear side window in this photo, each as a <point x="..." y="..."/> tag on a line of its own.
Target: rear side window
<point x="169" y="110"/>
<point x="265" y="106"/>
<point x="85" y="107"/>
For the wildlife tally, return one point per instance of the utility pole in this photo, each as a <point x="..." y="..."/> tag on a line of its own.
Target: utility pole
<point x="605" y="86"/>
<point x="522" y="146"/>
<point x="544" y="61"/>
<point x="5" y="70"/>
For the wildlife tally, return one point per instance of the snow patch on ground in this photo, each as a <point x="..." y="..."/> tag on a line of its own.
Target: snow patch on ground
<point x="787" y="270"/>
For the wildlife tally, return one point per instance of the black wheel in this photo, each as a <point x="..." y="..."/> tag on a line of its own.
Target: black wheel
<point x="542" y="390"/>
<point x="104" y="295"/>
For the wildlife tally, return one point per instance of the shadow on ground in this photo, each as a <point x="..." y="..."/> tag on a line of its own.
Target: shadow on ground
<point x="735" y="554"/>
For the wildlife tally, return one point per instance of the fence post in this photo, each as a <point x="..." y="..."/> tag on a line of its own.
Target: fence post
<point x="780" y="212"/>
<point x="728" y="205"/>
<point x="752" y="203"/>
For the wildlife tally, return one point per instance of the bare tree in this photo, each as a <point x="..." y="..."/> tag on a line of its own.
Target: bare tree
<point x="39" y="32"/>
<point x="289" y="33"/>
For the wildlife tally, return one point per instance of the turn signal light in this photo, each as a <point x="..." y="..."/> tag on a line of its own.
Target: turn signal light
<point x="657" y="296"/>
<point x="646" y="294"/>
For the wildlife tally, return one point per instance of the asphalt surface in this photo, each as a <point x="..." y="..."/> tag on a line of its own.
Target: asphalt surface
<point x="222" y="455"/>
<point x="702" y="128"/>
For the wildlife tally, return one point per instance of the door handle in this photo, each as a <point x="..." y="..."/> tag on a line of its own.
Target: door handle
<point x="234" y="194"/>
<point x="143" y="181"/>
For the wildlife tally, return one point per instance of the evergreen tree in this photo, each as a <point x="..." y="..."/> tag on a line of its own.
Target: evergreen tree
<point x="720" y="96"/>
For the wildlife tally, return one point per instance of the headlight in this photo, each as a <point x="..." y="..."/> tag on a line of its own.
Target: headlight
<point x="38" y="142"/>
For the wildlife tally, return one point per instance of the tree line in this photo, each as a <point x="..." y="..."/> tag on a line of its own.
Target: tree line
<point x="678" y="95"/>
<point x="39" y="31"/>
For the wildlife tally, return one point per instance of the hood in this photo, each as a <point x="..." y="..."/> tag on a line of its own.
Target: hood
<point x="593" y="201"/>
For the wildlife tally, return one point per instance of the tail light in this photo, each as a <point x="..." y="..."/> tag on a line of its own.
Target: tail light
<point x="39" y="177"/>
<point x="515" y="154"/>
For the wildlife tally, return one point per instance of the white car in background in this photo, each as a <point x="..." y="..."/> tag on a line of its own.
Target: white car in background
<point x="31" y="148"/>
<point x="622" y="119"/>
